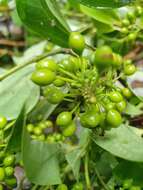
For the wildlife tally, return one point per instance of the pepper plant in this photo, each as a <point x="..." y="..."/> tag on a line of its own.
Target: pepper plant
<point x="71" y="107"/>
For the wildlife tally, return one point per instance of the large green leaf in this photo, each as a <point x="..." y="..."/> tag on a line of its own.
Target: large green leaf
<point x="14" y="143"/>
<point x="104" y="3"/>
<point x="43" y="18"/>
<point x="125" y="142"/>
<point x="130" y="170"/>
<point x="17" y="90"/>
<point x="105" y="20"/>
<point x="40" y="161"/>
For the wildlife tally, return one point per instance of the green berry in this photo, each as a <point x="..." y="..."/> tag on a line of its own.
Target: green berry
<point x="124" y="30"/>
<point x="135" y="188"/>
<point x="9" y="171"/>
<point x="76" y="42"/>
<point x="30" y="128"/>
<point x="121" y="106"/>
<point x="103" y="57"/>
<point x="47" y="64"/>
<point x="115" y="96"/>
<point x="90" y="119"/>
<point x="11" y="182"/>
<point x="1" y="187"/>
<point x="114" y="118"/>
<point x="129" y="69"/>
<point x="127" y="183"/>
<point x="9" y="160"/>
<point x="126" y="22"/>
<point x="49" y="124"/>
<point x="43" y="77"/>
<point x="132" y="36"/>
<point x="37" y="131"/>
<point x="50" y="139"/>
<point x="126" y="93"/>
<point x="64" y="119"/>
<point x="69" y="129"/>
<point x="62" y="187"/>
<point x="78" y="186"/>
<point x="2" y="174"/>
<point x="59" y="83"/>
<point x="53" y="95"/>
<point x="117" y="60"/>
<point x="3" y="122"/>
<point x="41" y="137"/>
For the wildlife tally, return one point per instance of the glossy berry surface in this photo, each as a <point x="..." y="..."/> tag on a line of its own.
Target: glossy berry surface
<point x="43" y="77"/>
<point x="114" y="118"/>
<point x="47" y="64"/>
<point x="76" y="42"/>
<point x="115" y="96"/>
<point x="64" y="119"/>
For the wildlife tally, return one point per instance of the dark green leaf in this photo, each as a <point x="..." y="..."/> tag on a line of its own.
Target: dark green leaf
<point x="17" y="90"/>
<point x="125" y="142"/>
<point x="130" y="170"/>
<point x="40" y="16"/>
<point x="14" y="143"/>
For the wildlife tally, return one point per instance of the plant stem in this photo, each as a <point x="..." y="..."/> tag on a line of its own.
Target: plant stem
<point x="100" y="179"/>
<point x="68" y="73"/>
<point x="9" y="125"/>
<point x="68" y="100"/>
<point x="67" y="80"/>
<point x="87" y="178"/>
<point x="75" y="108"/>
<point x="36" y="59"/>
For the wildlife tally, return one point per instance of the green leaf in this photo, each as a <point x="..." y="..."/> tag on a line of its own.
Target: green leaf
<point x="55" y="10"/>
<point x="133" y="110"/>
<point x="103" y="3"/>
<point x="74" y="156"/>
<point x="40" y="16"/>
<point x="135" y="82"/>
<point x="40" y="161"/>
<point x="106" y="16"/>
<point x="14" y="143"/>
<point x="30" y="53"/>
<point x="124" y="142"/>
<point x="129" y="170"/>
<point x="17" y="90"/>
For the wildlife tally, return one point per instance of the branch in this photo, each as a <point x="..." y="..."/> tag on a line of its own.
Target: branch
<point x="58" y="51"/>
<point x="12" y="43"/>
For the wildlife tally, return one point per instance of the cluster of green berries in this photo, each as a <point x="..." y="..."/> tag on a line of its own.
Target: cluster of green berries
<point x="7" y="178"/>
<point x="128" y="185"/>
<point x="49" y="132"/>
<point x="129" y="23"/>
<point x="77" y="186"/>
<point x="97" y="101"/>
